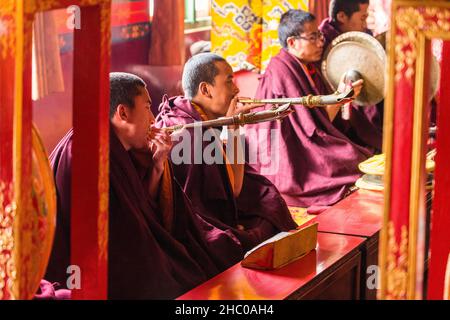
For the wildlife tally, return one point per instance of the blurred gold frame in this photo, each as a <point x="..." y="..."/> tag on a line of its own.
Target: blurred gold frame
<point x="403" y="15"/>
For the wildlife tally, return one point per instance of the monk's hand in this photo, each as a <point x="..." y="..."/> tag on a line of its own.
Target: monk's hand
<point x="175" y="135"/>
<point x="160" y="144"/>
<point x="237" y="107"/>
<point x="357" y="87"/>
<point x="345" y="85"/>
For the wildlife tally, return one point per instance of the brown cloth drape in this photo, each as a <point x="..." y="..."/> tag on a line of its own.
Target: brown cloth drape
<point x="167" y="44"/>
<point x="319" y="8"/>
<point x="47" y="69"/>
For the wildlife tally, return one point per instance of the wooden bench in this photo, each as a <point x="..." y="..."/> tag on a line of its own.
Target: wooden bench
<point x="347" y="245"/>
<point x="360" y="214"/>
<point x="331" y="271"/>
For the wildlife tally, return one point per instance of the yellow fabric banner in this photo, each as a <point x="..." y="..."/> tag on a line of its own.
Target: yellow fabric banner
<point x="245" y="32"/>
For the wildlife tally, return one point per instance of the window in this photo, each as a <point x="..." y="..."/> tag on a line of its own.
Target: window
<point x="197" y="13"/>
<point x="151" y="7"/>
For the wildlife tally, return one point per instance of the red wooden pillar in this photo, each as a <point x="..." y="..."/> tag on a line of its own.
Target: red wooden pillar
<point x="90" y="185"/>
<point x="440" y="237"/>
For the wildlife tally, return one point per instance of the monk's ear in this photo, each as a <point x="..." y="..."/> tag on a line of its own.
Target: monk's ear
<point x="341" y="17"/>
<point x="122" y="112"/>
<point x="290" y="42"/>
<point x="203" y="89"/>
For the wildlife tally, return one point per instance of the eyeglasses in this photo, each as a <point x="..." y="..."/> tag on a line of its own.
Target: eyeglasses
<point x="314" y="37"/>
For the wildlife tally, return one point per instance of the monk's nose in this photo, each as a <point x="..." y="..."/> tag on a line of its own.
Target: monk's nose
<point x="151" y="117"/>
<point x="320" y="43"/>
<point x="236" y="89"/>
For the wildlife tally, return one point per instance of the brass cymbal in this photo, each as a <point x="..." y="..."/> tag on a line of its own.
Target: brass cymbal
<point x="361" y="54"/>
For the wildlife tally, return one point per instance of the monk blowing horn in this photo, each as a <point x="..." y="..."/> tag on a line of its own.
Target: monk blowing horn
<point x="275" y="113"/>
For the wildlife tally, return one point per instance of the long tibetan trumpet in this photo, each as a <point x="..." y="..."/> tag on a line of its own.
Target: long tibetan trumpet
<point x="309" y="100"/>
<point x="240" y="119"/>
<point x="275" y="113"/>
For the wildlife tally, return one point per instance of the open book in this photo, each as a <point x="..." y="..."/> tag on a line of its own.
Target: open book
<point x="282" y="249"/>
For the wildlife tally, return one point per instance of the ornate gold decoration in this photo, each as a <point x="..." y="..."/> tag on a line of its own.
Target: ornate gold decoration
<point x="413" y="24"/>
<point x="397" y="264"/>
<point x="7" y="37"/>
<point x="409" y="22"/>
<point x="7" y="28"/>
<point x="7" y="213"/>
<point x="41" y="216"/>
<point x="26" y="237"/>
<point x="7" y="6"/>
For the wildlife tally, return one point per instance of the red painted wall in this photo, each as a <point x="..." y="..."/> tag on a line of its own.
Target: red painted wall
<point x="53" y="114"/>
<point x="131" y="38"/>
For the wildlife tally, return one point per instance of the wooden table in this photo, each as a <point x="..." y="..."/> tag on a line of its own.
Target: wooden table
<point x="331" y="271"/>
<point x="360" y="214"/>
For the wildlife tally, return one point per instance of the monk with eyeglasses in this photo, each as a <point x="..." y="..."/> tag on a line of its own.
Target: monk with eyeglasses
<point x="317" y="163"/>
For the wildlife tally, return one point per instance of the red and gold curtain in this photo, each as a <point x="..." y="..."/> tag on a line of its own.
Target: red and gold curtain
<point x="403" y="246"/>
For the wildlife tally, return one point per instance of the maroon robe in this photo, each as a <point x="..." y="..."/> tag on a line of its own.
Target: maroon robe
<point x="260" y="209"/>
<point x="317" y="163"/>
<point x="145" y="260"/>
<point x="365" y="125"/>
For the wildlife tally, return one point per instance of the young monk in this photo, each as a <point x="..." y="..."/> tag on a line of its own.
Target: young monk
<point x="365" y="124"/>
<point x="226" y="191"/>
<point x="316" y="162"/>
<point x="159" y="247"/>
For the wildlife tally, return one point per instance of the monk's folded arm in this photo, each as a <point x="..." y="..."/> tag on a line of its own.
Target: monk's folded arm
<point x="155" y="178"/>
